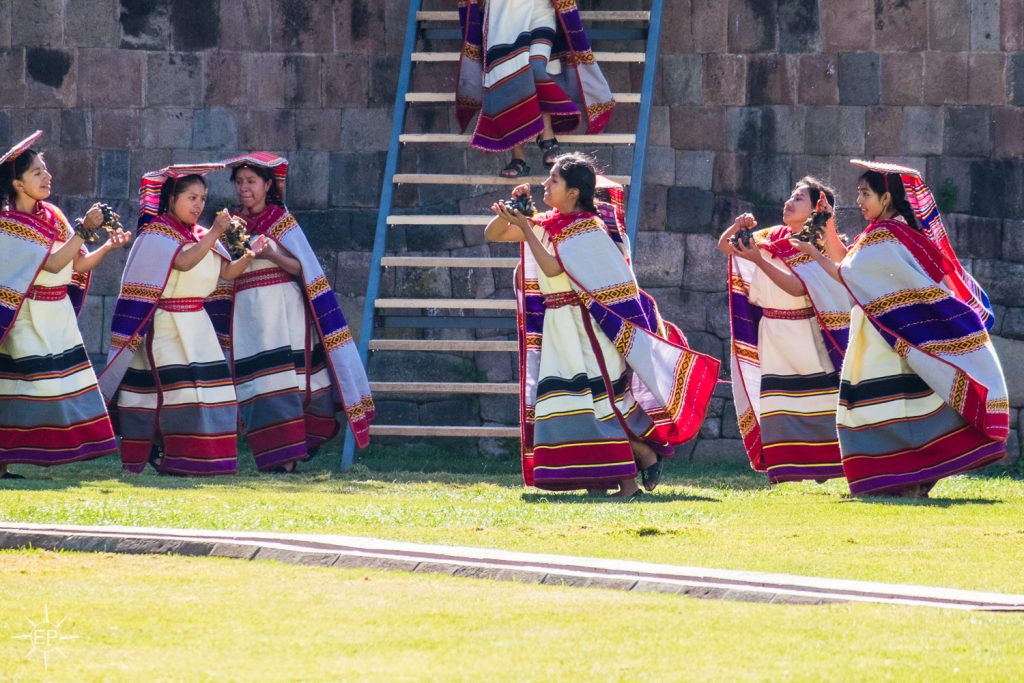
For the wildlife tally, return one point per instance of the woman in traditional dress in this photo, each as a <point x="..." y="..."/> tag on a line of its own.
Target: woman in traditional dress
<point x="587" y="332"/>
<point x="790" y="322"/>
<point x="527" y="65"/>
<point x="166" y="371"/>
<point x="51" y="411"/>
<point x="295" y="363"/>
<point x="922" y="393"/>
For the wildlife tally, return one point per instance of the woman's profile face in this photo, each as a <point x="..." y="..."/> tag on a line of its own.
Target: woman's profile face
<point x="34" y="183"/>
<point x="189" y="203"/>
<point x="556" y="192"/>
<point x="250" y="189"/>
<point x="871" y="205"/>
<point x="798" y="208"/>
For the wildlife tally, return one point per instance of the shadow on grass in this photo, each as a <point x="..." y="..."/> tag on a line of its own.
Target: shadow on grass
<point x="571" y="498"/>
<point x="923" y="502"/>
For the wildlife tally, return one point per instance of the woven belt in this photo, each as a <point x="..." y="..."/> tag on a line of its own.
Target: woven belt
<point x="184" y="305"/>
<point x="262" y="278"/>
<point x="40" y="293"/>
<point x="788" y="313"/>
<point x="560" y="299"/>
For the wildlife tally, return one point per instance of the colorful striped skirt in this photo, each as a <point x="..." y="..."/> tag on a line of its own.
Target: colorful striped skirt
<point x="51" y="411"/>
<point x="894" y="431"/>
<point x="281" y="375"/>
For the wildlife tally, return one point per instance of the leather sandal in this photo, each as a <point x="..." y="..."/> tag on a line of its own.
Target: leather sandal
<point x="551" y="150"/>
<point x="516" y="168"/>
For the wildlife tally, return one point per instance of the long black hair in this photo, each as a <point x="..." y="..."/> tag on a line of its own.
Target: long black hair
<point x="814" y="189"/>
<point x="173" y="187"/>
<point x="273" y="193"/>
<point x="14" y="170"/>
<point x="580" y="173"/>
<point x="880" y="183"/>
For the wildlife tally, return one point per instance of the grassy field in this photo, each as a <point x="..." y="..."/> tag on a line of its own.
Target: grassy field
<point x="139" y="618"/>
<point x="969" y="535"/>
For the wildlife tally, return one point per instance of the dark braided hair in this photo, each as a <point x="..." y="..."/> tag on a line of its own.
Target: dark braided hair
<point x="14" y="170"/>
<point x="814" y="188"/>
<point x="880" y="183"/>
<point x="579" y="171"/>
<point x="273" y="194"/>
<point x="173" y="187"/>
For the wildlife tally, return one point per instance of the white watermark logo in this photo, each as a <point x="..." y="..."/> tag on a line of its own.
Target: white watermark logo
<point x="46" y="638"/>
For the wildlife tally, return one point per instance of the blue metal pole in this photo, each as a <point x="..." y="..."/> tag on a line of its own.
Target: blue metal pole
<point x="380" y="236"/>
<point x="636" y="183"/>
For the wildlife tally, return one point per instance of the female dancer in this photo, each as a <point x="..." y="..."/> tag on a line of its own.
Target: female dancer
<point x="790" y="322"/>
<point x="605" y="382"/>
<point x="922" y="394"/>
<point x="295" y="363"/>
<point x="166" y="368"/>
<point x="528" y="65"/>
<point x="51" y="411"/>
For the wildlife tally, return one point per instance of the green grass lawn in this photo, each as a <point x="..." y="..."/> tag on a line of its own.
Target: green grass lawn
<point x="970" y="535"/>
<point x="141" y="618"/>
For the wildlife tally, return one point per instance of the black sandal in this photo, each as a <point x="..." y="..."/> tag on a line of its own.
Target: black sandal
<point x="651" y="476"/>
<point x="10" y="475"/>
<point x="285" y="469"/>
<point x="516" y="168"/>
<point x="156" y="457"/>
<point x="551" y="150"/>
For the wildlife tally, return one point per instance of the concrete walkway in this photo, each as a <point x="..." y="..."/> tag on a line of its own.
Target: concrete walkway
<point x="371" y="553"/>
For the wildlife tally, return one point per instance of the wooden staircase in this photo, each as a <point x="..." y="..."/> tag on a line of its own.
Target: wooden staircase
<point x="467" y="326"/>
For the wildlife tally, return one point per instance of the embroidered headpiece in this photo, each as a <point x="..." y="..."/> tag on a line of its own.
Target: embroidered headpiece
<point x="264" y="160"/>
<point x="20" y="148"/>
<point x="153" y="182"/>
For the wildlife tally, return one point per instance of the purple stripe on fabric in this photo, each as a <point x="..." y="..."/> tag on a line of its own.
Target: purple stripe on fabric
<point x="617" y="472"/>
<point x="47" y="458"/>
<point x="745" y="319"/>
<point x="6" y="318"/>
<point x="198" y="468"/>
<point x="979" y="458"/>
<point x="128" y="313"/>
<point x="945" y="320"/>
<point x="77" y="296"/>
<point x="282" y="456"/>
<point x="835" y="354"/>
<point x="797" y="473"/>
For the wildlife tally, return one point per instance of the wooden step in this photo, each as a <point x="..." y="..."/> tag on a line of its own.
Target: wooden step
<point x="418" y="430"/>
<point x="442" y="345"/>
<point x="478" y="304"/>
<point x="444" y="388"/>
<point x="604" y="139"/>
<point x="585" y="16"/>
<point x="449" y="97"/>
<point x="601" y="57"/>
<point x="470" y="179"/>
<point x="449" y="262"/>
<point x="464" y="219"/>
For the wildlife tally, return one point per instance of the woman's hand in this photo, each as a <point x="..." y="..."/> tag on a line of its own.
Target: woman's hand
<point x="258" y="245"/>
<point x="511" y="217"/>
<point x="804" y="247"/>
<point x="520" y="190"/>
<point x="824" y="207"/>
<point x="93" y="217"/>
<point x="222" y="222"/>
<point x="750" y="253"/>
<point x="119" y="239"/>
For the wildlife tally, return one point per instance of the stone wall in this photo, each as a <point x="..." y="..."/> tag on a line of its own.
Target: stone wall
<point x="752" y="95"/>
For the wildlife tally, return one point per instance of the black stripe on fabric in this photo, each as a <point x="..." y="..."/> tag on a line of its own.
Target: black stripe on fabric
<point x="885" y="387"/>
<point x="194" y="372"/>
<point x="799" y="382"/>
<point x="273" y="358"/>
<point x="34" y="365"/>
<point x="499" y="52"/>
<point x="579" y="384"/>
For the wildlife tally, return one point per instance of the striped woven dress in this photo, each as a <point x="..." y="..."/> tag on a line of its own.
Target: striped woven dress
<point x="51" y="411"/>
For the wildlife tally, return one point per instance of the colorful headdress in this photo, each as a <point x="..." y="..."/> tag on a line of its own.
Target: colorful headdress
<point x="153" y="182"/>
<point x="922" y="201"/>
<point x="264" y="160"/>
<point x="20" y="148"/>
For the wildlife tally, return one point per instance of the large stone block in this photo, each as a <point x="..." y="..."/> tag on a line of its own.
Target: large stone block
<point x="997" y="188"/>
<point x="289" y="80"/>
<point x="1001" y="281"/>
<point x="245" y="25"/>
<point x="225" y="79"/>
<point x="352" y="270"/>
<point x="195" y="24"/>
<point x="770" y="177"/>
<point x="946" y="74"/>
<point x="923" y="130"/>
<point x="114" y="181"/>
<point x="174" y="79"/>
<point x="12" y="65"/>
<point x="420" y="367"/>
<point x="719" y="452"/>
<point x="902" y="78"/>
<point x="683" y="79"/>
<point x="116" y="128"/>
<point x="968" y="131"/>
<point x="1011" y="19"/>
<point x="1007" y="132"/>
<point x="1011" y="324"/>
<point x="1013" y="241"/>
<point x="783" y="129"/>
<point x="847" y="25"/>
<point x="883" y="130"/>
<point x="301" y="26"/>
<point x="985" y="21"/>
<point x="167" y="127"/>
<point x="499" y="409"/>
<point x="268" y="129"/>
<point x="1011" y="357"/>
<point x="215" y="128"/>
<point x="318" y="129"/>
<point x="731" y="172"/>
<point x="901" y="25"/>
<point x="145" y="25"/>
<point x="658" y="259"/>
<point x="698" y="128"/>
<point x="346" y="77"/>
<point x="355" y="179"/>
<point x="979" y="237"/>
<point x="716" y="308"/>
<point x="770" y="79"/>
<point x="90" y="322"/>
<point x="360" y="25"/>
<point x="743" y="129"/>
<point x="704" y="264"/>
<point x="690" y="209"/>
<point x="309" y="176"/>
<point x="365" y="130"/>
<point x="725" y="79"/>
<point x="987" y="82"/>
<point x="949" y="25"/>
<point x="110" y="78"/>
<point x="106" y="278"/>
<point x="37" y="23"/>
<point x="835" y="130"/>
<point x="711" y="19"/>
<point x="818" y="83"/>
<point x="473" y="283"/>
<point x="74" y="172"/>
<point x="5" y="25"/>
<point x="660" y="166"/>
<point x="683" y="308"/>
<point x="75" y="127"/>
<point x="859" y="78"/>
<point x="695" y="169"/>
<point x="677" y="28"/>
<point x="752" y="26"/>
<point x="798" y="26"/>
<point x="50" y="77"/>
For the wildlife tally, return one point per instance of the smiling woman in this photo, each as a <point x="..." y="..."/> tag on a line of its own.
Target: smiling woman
<point x="51" y="411"/>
